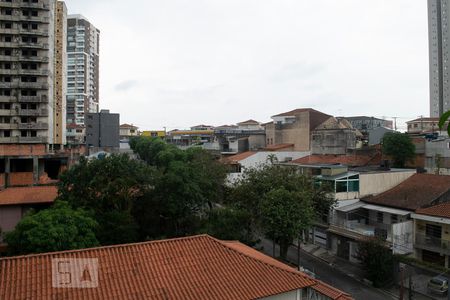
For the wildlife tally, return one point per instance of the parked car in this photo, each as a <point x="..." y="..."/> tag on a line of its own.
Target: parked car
<point x="438" y="285"/>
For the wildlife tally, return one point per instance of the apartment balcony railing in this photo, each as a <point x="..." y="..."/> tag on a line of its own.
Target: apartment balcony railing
<point x="34" y="19"/>
<point x="33" y="45"/>
<point x="358" y="229"/>
<point x="33" y="85"/>
<point x="432" y="244"/>
<point x="38" y="32"/>
<point x="21" y="4"/>
<point x="33" y="99"/>
<point x="42" y="112"/>
<point x="34" y="72"/>
<point x="35" y="126"/>
<point x="7" y="99"/>
<point x="19" y="139"/>
<point x="29" y="85"/>
<point x="5" y="112"/>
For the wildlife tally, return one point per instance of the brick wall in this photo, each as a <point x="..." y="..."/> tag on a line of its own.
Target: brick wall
<point x="21" y="150"/>
<point x="20" y="178"/>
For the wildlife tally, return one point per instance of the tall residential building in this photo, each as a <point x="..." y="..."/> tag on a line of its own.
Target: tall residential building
<point x="82" y="75"/>
<point x="439" y="56"/>
<point x="32" y="72"/>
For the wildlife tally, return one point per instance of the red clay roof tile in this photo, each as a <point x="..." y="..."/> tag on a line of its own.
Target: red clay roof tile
<point x="28" y="195"/>
<point x="348" y="160"/>
<point x="419" y="190"/>
<point x="439" y="210"/>
<point x="198" y="267"/>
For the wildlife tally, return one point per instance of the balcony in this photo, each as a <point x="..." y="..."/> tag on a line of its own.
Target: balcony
<point x="5" y="112"/>
<point x="32" y="32"/>
<point x="33" y="85"/>
<point x="37" y="19"/>
<point x="21" y="4"/>
<point x="358" y="229"/>
<point x="431" y="243"/>
<point x="33" y="99"/>
<point x="43" y="112"/>
<point x="32" y="45"/>
<point x="24" y="140"/>
<point x="33" y="72"/>
<point x="34" y="126"/>
<point x="7" y="99"/>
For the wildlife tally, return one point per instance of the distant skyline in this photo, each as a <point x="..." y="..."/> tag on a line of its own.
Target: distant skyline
<point x="179" y="63"/>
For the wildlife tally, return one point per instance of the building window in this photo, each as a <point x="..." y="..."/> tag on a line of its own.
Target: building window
<point x="394" y="219"/>
<point x="379" y="217"/>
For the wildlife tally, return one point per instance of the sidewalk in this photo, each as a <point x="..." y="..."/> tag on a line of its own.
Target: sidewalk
<point x="419" y="281"/>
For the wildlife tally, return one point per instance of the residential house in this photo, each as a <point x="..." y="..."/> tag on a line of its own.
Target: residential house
<point x="432" y="234"/>
<point x="423" y="125"/>
<point x="335" y="136"/>
<point x="196" y="267"/>
<point x="154" y="133"/>
<point x="245" y="136"/>
<point x="127" y="131"/>
<point x="387" y="215"/>
<point x="294" y="127"/>
<point x="238" y="163"/>
<point x="195" y="136"/>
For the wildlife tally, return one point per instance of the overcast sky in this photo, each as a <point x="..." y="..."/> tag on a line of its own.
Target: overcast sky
<point x="178" y="63"/>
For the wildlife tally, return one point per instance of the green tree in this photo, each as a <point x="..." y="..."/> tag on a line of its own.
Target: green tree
<point x="400" y="147"/>
<point x="188" y="183"/>
<point x="378" y="261"/>
<point x="228" y="224"/>
<point x="285" y="214"/>
<point x="254" y="192"/>
<point x="57" y="228"/>
<point x="443" y="119"/>
<point x="109" y="187"/>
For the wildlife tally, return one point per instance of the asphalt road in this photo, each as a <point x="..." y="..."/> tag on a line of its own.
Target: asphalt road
<point x="330" y="275"/>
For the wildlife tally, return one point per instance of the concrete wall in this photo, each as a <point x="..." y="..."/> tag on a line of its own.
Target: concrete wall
<point x="333" y="141"/>
<point x="297" y="133"/>
<point x="376" y="183"/>
<point x="256" y="142"/>
<point x="9" y="217"/>
<point x="102" y="129"/>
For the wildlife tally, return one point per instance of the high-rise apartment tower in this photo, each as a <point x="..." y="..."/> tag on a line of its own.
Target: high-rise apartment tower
<point x="32" y="72"/>
<point x="439" y="56"/>
<point x="82" y="75"/>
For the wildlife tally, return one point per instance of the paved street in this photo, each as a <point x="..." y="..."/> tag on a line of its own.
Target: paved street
<point x="332" y="276"/>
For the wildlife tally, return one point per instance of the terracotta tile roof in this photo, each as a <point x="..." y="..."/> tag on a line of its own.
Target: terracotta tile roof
<point x="233" y="159"/>
<point x="28" y="195"/>
<point x="424" y="120"/>
<point x="439" y="210"/>
<point x="251" y="121"/>
<point x="347" y="160"/>
<point x="198" y="267"/>
<point x="320" y="286"/>
<point x="295" y="112"/>
<point x="128" y="126"/>
<point x="278" y="147"/>
<point x="419" y="190"/>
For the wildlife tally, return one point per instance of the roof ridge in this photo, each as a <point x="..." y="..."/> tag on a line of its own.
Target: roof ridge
<point x="105" y="247"/>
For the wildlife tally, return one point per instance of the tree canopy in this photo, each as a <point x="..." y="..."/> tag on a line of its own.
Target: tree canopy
<point x="109" y="188"/>
<point x="400" y="147"/>
<point x="54" y="229"/>
<point x="280" y="202"/>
